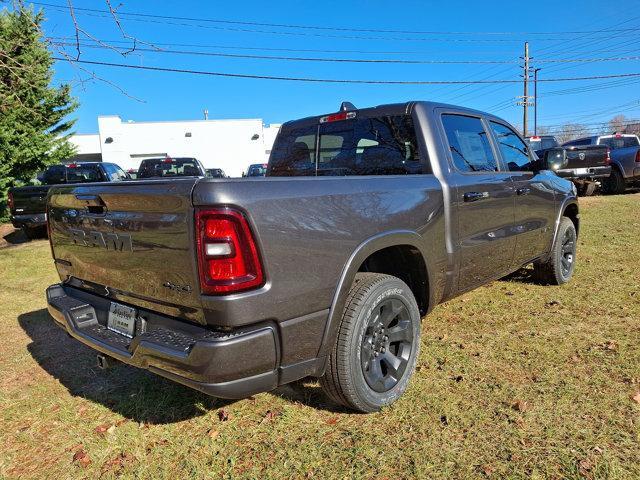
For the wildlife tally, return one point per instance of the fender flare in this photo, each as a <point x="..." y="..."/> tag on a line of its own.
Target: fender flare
<point x="359" y="255"/>
<point x="563" y="207"/>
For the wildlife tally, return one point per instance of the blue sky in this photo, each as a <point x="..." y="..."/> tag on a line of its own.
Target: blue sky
<point x="172" y="96"/>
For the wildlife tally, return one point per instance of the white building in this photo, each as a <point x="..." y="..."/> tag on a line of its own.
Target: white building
<point x="228" y="144"/>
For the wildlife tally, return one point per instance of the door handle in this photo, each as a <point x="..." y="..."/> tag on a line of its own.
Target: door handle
<point x="523" y="191"/>
<point x="475" y="196"/>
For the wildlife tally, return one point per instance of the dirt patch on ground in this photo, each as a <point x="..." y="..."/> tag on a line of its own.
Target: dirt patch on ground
<point x="10" y="236"/>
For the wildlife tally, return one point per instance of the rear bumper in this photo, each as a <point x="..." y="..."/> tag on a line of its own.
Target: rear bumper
<point x="229" y="364"/>
<point x="31" y="220"/>
<point x="591" y="173"/>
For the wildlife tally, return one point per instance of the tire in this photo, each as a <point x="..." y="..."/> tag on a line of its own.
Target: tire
<point x="377" y="344"/>
<point x="614" y="184"/>
<point x="558" y="269"/>
<point x="33" y="233"/>
<point x="30" y="233"/>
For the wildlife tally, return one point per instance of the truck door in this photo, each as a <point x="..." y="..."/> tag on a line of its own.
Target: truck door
<point x="484" y="201"/>
<point x="535" y="210"/>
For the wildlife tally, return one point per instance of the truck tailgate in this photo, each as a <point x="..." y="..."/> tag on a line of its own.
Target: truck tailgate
<point x="29" y="200"/>
<point x="129" y="241"/>
<point x="585" y="156"/>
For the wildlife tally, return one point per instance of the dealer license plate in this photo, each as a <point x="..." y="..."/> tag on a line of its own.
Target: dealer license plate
<point x="122" y="319"/>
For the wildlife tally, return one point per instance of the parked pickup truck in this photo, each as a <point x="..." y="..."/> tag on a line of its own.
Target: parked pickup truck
<point x="28" y="204"/>
<point x="367" y="219"/>
<point x="625" y="159"/>
<point x="587" y="164"/>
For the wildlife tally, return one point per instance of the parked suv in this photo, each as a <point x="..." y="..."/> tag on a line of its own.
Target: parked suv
<point x="366" y="220"/>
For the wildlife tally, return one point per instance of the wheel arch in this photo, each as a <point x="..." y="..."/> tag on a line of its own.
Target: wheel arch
<point x="377" y="255"/>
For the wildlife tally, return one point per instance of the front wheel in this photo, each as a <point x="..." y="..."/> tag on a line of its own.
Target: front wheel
<point x="377" y="344"/>
<point x="558" y="269"/>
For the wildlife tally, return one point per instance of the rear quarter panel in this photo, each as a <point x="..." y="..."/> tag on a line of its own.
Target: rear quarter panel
<point x="307" y="228"/>
<point x="625" y="160"/>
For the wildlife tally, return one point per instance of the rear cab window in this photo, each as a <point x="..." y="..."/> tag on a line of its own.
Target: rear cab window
<point x="542" y="143"/>
<point x="622" y="141"/>
<point x="72" y="173"/>
<point x="363" y="145"/>
<point x="169" y="167"/>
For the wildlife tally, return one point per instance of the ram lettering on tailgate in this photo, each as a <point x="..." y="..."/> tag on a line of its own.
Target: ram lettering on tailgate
<point x="110" y="241"/>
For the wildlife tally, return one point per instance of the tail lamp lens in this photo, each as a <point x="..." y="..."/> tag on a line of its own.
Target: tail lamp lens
<point x="10" y="201"/>
<point x="228" y="258"/>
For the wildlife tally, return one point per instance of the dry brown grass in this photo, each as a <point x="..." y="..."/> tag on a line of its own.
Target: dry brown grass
<point x="515" y="380"/>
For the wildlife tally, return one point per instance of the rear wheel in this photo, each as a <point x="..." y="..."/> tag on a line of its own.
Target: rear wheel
<point x="377" y="344"/>
<point x="32" y="232"/>
<point x="558" y="269"/>
<point x="614" y="184"/>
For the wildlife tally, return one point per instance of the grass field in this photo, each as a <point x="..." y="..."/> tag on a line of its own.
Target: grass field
<point x="515" y="380"/>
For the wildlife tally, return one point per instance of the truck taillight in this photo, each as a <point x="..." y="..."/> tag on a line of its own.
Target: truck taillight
<point x="607" y="160"/>
<point x="638" y="156"/>
<point x="10" y="201"/>
<point x="228" y="259"/>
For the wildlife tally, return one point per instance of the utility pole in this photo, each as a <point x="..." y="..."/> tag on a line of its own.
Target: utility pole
<point x="535" y="104"/>
<point x="525" y="99"/>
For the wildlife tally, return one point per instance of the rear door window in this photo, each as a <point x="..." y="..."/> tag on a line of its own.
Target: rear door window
<point x="469" y="144"/>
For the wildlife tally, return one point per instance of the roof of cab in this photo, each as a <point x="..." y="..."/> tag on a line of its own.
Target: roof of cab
<point x="388" y="109"/>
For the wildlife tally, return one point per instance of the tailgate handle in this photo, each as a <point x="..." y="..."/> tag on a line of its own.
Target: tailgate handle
<point x="93" y="203"/>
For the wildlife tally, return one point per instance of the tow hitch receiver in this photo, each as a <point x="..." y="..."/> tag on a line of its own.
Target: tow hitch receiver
<point x="103" y="362"/>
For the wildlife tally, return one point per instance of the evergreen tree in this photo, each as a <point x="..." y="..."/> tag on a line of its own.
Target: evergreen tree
<point x="34" y="128"/>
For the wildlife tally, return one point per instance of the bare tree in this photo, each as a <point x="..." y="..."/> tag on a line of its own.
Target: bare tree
<point x="571" y="131"/>
<point x="617" y="124"/>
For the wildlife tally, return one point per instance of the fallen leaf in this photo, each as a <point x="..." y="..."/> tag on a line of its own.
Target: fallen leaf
<point x="520" y="406"/>
<point x="332" y="421"/>
<point x="212" y="433"/>
<point x="101" y="429"/>
<point x="488" y="470"/>
<point x="270" y="415"/>
<point x="636" y="397"/>
<point x="223" y="415"/>
<point x="77" y="446"/>
<point x="118" y="462"/>
<point x="81" y="458"/>
<point x="584" y="467"/>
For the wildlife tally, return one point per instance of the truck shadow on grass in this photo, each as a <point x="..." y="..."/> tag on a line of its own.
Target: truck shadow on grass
<point x="132" y="392"/>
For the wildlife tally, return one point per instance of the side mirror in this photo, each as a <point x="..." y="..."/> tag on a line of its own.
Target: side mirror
<point x="555" y="159"/>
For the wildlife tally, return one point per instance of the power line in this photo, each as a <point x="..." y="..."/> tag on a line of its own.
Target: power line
<point x="338" y="60"/>
<point x="316" y="27"/>
<point x="335" y="80"/>
<point x="295" y="59"/>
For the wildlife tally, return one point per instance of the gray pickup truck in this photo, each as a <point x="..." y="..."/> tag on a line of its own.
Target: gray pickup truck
<point x="624" y="159"/>
<point x="587" y="165"/>
<point x="366" y="220"/>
